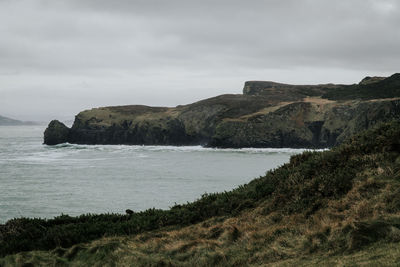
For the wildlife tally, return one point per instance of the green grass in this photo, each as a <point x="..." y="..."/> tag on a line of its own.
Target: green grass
<point x="386" y="88"/>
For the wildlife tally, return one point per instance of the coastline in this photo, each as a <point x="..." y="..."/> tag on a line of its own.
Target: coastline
<point x="342" y="185"/>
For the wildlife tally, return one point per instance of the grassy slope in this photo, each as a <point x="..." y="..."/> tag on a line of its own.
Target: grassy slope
<point x="340" y="206"/>
<point x="368" y="88"/>
<point x="385" y="88"/>
<point x="244" y="106"/>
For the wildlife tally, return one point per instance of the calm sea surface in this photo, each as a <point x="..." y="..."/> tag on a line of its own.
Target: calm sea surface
<point x="44" y="181"/>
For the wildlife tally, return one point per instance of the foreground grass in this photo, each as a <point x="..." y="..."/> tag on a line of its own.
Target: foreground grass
<point x="339" y="207"/>
<point x="381" y="254"/>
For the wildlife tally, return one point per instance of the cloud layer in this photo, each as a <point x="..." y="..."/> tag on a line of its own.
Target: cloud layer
<point x="59" y="57"/>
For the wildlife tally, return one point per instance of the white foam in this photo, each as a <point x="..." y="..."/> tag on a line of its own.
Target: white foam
<point x="145" y="148"/>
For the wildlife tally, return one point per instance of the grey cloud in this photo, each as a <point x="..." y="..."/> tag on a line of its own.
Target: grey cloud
<point x="144" y="50"/>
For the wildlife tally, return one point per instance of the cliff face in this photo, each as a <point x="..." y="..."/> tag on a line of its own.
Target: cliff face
<point x="268" y="114"/>
<point x="310" y="123"/>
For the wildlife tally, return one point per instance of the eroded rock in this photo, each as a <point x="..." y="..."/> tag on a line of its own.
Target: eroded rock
<point x="56" y="133"/>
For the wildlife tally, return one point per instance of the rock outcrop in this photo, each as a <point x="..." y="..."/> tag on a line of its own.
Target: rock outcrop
<point x="56" y="133"/>
<point x="267" y="114"/>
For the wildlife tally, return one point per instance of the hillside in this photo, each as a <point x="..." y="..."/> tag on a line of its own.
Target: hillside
<point x="4" y="121"/>
<point x="340" y="206"/>
<point x="267" y="114"/>
<point x="7" y="121"/>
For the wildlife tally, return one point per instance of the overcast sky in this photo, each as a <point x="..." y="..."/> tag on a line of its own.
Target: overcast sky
<point x="58" y="57"/>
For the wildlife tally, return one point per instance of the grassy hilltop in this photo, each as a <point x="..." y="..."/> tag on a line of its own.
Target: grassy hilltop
<point x="337" y="207"/>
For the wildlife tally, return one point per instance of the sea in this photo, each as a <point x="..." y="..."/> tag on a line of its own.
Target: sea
<point x="41" y="181"/>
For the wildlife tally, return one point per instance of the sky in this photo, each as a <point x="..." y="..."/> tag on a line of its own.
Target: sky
<point x="59" y="57"/>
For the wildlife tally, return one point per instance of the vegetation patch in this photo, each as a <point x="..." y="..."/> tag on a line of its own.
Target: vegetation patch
<point x="383" y="88"/>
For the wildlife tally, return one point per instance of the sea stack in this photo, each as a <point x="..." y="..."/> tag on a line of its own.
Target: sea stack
<point x="56" y="133"/>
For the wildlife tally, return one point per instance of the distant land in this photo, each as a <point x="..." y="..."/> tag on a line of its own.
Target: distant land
<point x="4" y="121"/>
<point x="267" y="114"/>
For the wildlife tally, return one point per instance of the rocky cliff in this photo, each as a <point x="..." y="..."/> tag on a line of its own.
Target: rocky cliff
<point x="267" y="114"/>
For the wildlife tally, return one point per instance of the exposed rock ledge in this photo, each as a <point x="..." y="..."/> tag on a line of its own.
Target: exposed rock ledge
<point x="267" y="114"/>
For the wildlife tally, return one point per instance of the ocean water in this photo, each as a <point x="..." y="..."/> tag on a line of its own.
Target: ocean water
<point x="45" y="181"/>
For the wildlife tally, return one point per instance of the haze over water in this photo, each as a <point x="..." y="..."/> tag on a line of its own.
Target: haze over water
<point x="43" y="181"/>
